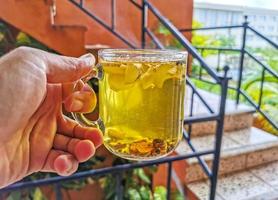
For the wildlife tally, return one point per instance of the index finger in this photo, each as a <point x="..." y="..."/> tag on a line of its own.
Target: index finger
<point x="71" y="128"/>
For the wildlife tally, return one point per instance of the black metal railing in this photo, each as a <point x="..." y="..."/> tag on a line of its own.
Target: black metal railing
<point x="218" y="116"/>
<point x="109" y="27"/>
<point x="243" y="52"/>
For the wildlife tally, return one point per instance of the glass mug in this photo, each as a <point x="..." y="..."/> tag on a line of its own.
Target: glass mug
<point x="141" y="101"/>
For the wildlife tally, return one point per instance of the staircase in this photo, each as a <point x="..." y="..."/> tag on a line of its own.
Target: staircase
<point x="73" y="27"/>
<point x="249" y="156"/>
<point x="60" y="25"/>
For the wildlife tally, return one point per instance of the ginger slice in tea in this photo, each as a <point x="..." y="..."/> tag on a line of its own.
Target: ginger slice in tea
<point x="115" y="133"/>
<point x="132" y="73"/>
<point x="116" y="82"/>
<point x="122" y="77"/>
<point x="157" y="74"/>
<point x="141" y="147"/>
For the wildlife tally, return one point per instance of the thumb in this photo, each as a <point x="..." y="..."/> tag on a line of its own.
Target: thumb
<point x="61" y="69"/>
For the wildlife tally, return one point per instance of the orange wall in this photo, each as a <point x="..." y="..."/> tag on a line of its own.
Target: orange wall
<point x="69" y="14"/>
<point x="128" y="20"/>
<point x="33" y="18"/>
<point x="179" y="12"/>
<point x="70" y="35"/>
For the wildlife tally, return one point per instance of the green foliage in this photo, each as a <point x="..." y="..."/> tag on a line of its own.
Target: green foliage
<point x="257" y="78"/>
<point x="36" y="194"/>
<point x="178" y="196"/>
<point x="201" y="40"/>
<point x="163" y="30"/>
<point x="251" y="80"/>
<point x="213" y="88"/>
<point x="136" y="184"/>
<point x="210" y="40"/>
<point x="9" y="40"/>
<point x="198" y="40"/>
<point x="1" y="37"/>
<point x="133" y="194"/>
<point x="225" y="41"/>
<point x="23" y="39"/>
<point x="32" y="194"/>
<point x="14" y="196"/>
<point x="252" y="87"/>
<point x="269" y="54"/>
<point x="142" y="175"/>
<point x="160" y="193"/>
<point x="145" y="193"/>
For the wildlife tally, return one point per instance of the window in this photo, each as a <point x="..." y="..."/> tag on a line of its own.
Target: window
<point x="235" y="18"/>
<point x="200" y="15"/>
<point x="212" y="17"/>
<point x="261" y="28"/>
<point x="254" y="17"/>
<point x="251" y="18"/>
<point x="204" y="16"/>
<point x="222" y="18"/>
<point x="270" y="28"/>
<point x="263" y="18"/>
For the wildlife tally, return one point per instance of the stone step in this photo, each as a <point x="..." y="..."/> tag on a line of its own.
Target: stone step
<point x="259" y="183"/>
<point x="236" y="116"/>
<point x="240" y="150"/>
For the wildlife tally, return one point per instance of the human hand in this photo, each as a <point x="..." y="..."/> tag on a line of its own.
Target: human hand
<point x="34" y="133"/>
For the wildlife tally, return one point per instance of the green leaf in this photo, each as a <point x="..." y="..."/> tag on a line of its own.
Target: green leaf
<point x="163" y="30"/>
<point x="23" y="39"/>
<point x="16" y="195"/>
<point x="145" y="193"/>
<point x="176" y="195"/>
<point x="38" y="195"/>
<point x="257" y="78"/>
<point x="143" y="176"/>
<point x="1" y="36"/>
<point x="160" y="193"/>
<point x="133" y="194"/>
<point x="153" y="168"/>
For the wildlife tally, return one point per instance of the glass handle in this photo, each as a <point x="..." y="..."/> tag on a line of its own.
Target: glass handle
<point x="97" y="72"/>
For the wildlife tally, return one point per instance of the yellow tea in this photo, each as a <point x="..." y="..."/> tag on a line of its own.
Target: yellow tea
<point x="141" y="106"/>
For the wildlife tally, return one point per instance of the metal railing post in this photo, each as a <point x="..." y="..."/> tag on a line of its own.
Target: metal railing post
<point x="58" y="192"/>
<point x="261" y="88"/>
<point x="119" y="188"/>
<point x="218" y="61"/>
<point x="169" y="177"/>
<point x="201" y="67"/>
<point x="241" y="61"/>
<point x="219" y="133"/>
<point x="144" y="23"/>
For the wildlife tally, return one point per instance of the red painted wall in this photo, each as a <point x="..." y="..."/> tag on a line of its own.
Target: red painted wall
<point x="70" y="37"/>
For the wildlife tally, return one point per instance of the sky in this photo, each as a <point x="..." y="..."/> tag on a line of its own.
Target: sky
<point x="271" y="4"/>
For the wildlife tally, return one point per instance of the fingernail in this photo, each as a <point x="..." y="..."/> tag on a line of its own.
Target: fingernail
<point x="88" y="59"/>
<point x="69" y="165"/>
<point x="76" y="105"/>
<point x="63" y="165"/>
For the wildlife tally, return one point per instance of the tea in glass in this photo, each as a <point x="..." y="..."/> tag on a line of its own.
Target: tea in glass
<point x="141" y="101"/>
